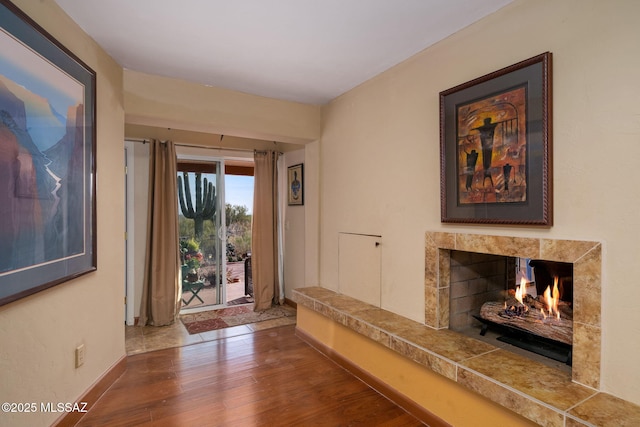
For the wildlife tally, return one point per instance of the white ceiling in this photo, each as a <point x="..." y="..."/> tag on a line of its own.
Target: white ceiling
<point x="300" y="50"/>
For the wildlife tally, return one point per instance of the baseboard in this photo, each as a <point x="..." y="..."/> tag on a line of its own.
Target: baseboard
<point x="291" y="303"/>
<point x="94" y="393"/>
<point x="384" y="389"/>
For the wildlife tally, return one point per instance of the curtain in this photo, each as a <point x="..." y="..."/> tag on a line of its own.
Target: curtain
<point x="161" y="291"/>
<point x="264" y="231"/>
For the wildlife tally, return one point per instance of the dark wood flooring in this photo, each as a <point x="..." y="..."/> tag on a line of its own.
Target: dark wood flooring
<point x="268" y="378"/>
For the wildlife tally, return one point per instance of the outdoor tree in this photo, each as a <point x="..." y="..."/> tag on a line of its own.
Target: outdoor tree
<point x="238" y="222"/>
<point x="238" y="229"/>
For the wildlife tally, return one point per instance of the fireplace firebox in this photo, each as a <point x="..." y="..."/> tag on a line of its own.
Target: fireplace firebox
<point x="528" y="303"/>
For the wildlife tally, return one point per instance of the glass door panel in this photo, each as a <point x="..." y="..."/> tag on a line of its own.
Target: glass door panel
<point x="202" y="232"/>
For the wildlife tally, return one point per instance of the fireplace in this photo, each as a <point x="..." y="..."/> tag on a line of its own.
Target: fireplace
<point x="525" y="303"/>
<point x="501" y="255"/>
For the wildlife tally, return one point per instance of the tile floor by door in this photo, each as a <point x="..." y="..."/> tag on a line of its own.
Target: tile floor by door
<point x="141" y="339"/>
<point x="149" y="338"/>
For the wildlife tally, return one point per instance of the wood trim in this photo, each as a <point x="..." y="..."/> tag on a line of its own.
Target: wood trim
<point x="381" y="387"/>
<point x="291" y="303"/>
<point x="230" y="168"/>
<point x="196" y="166"/>
<point x="238" y="170"/>
<point x="94" y="393"/>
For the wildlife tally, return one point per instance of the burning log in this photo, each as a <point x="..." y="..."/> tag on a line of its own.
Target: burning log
<point x="533" y="319"/>
<point x="514" y="307"/>
<point x="548" y="317"/>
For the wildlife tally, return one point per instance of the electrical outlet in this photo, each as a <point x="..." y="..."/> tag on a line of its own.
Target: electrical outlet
<point x="79" y="355"/>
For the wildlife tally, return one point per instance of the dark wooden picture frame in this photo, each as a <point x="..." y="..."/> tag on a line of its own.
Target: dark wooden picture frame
<point x="495" y="147"/>
<point x="295" y="185"/>
<point x="47" y="159"/>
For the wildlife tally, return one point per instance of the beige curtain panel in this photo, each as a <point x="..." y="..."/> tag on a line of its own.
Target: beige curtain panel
<point x="161" y="291"/>
<point x="264" y="244"/>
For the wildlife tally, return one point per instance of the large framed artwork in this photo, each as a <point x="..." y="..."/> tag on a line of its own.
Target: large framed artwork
<point x="47" y="160"/>
<point x="495" y="147"/>
<point x="295" y="183"/>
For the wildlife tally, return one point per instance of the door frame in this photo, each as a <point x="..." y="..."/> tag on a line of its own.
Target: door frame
<point x="129" y="299"/>
<point x="222" y="230"/>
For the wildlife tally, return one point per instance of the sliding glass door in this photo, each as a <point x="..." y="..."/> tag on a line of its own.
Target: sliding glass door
<point x="202" y="232"/>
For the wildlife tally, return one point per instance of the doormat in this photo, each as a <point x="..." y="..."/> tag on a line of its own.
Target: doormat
<point x="232" y="316"/>
<point x="241" y="300"/>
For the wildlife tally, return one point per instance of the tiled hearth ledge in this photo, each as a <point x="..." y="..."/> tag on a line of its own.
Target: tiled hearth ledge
<point x="537" y="392"/>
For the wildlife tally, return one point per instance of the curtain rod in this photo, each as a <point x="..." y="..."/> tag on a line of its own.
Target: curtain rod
<point x="178" y="144"/>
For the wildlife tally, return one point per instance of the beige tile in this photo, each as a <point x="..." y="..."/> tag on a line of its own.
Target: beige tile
<point x="445" y="343"/>
<point x="608" y="411"/>
<point x="442" y="240"/>
<point x="534" y="379"/>
<point x="510" y="399"/>
<point x="368" y="330"/>
<point x="444" y="268"/>
<point x="572" y="422"/>
<point x="132" y="331"/>
<point x="586" y="361"/>
<point x="436" y="364"/>
<point x="175" y="328"/>
<point x="386" y="320"/>
<point x="430" y="266"/>
<point x="587" y="283"/>
<point x="330" y="312"/>
<point x="303" y="300"/>
<point x="134" y="344"/>
<point x="164" y="340"/>
<point x="443" y="308"/>
<point x="431" y="298"/>
<point x="564" y="250"/>
<point x="150" y="338"/>
<point x="346" y="304"/>
<point x="314" y="292"/>
<point x="499" y="245"/>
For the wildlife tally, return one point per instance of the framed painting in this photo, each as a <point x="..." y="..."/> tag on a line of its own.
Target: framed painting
<point x="295" y="184"/>
<point x="495" y="147"/>
<point x="47" y="160"/>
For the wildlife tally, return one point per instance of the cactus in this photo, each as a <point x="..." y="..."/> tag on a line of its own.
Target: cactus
<point x="205" y="207"/>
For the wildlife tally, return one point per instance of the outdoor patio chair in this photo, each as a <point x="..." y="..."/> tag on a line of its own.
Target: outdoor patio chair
<point x="190" y="289"/>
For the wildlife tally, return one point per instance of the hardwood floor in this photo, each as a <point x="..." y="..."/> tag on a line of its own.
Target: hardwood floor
<point x="267" y="378"/>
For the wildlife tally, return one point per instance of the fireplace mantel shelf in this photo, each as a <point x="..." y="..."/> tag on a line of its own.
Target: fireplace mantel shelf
<point x="537" y="392"/>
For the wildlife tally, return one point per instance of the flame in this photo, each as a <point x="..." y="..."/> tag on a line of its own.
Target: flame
<point x="551" y="298"/>
<point x="521" y="291"/>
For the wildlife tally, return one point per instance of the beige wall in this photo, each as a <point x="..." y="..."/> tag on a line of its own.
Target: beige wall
<point x="187" y="113"/>
<point x="294" y="220"/>
<point x="311" y="215"/>
<point x="379" y="155"/>
<point x="164" y="102"/>
<point x="40" y="333"/>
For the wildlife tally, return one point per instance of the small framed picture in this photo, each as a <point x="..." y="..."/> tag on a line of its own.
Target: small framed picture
<point x="295" y="182"/>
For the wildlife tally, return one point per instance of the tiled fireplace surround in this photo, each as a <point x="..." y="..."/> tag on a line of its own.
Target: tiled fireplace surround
<point x="542" y="394"/>
<point x="587" y="265"/>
